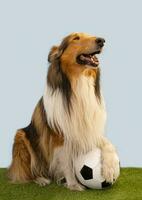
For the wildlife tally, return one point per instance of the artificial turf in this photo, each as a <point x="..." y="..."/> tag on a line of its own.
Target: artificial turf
<point x="127" y="187"/>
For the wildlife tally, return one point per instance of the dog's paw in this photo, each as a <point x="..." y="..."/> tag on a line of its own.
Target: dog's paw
<point x="75" y="187"/>
<point x="110" y="167"/>
<point x="42" y="181"/>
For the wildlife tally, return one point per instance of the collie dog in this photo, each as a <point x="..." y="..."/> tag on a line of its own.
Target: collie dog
<point x="68" y="120"/>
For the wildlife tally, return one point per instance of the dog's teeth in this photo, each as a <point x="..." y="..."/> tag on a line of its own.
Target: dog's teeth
<point x="82" y="57"/>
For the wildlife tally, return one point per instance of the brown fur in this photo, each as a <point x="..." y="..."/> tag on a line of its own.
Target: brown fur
<point x="33" y="148"/>
<point x="34" y="145"/>
<point x="20" y="167"/>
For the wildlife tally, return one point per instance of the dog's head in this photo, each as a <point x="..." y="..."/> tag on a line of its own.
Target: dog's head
<point x="77" y="52"/>
<point x="75" y="56"/>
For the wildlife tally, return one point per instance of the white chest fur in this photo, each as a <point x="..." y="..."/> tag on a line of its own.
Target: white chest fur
<point x="84" y="125"/>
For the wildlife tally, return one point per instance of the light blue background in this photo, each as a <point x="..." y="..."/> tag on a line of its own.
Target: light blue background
<point x="27" y="31"/>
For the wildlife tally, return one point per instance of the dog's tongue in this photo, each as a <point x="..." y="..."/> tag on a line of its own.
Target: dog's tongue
<point x="90" y="59"/>
<point x="85" y="58"/>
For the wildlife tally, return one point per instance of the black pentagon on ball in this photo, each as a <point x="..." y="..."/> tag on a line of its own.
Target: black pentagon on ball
<point x="106" y="184"/>
<point x="86" y="172"/>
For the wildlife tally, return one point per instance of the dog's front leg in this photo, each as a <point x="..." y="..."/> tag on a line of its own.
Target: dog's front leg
<point x="110" y="161"/>
<point x="71" y="181"/>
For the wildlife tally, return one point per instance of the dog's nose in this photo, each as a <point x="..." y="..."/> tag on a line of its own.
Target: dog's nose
<point x="100" y="42"/>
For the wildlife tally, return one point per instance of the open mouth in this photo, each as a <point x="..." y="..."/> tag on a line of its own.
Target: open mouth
<point x="88" y="59"/>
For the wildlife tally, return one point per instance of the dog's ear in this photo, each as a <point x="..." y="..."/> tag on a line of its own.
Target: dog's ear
<point x="57" y="51"/>
<point x="53" y="54"/>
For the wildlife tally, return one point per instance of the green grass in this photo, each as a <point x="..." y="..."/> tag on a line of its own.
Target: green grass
<point x="127" y="187"/>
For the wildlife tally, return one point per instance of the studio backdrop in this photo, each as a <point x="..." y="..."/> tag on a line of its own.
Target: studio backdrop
<point x="27" y="32"/>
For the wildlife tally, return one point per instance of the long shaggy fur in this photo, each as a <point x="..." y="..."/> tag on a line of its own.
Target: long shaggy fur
<point x="69" y="120"/>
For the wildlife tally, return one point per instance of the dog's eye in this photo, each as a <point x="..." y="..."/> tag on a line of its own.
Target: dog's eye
<point x="76" y="38"/>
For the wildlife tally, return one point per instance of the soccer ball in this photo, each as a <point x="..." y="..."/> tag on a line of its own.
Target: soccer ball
<point x="88" y="170"/>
